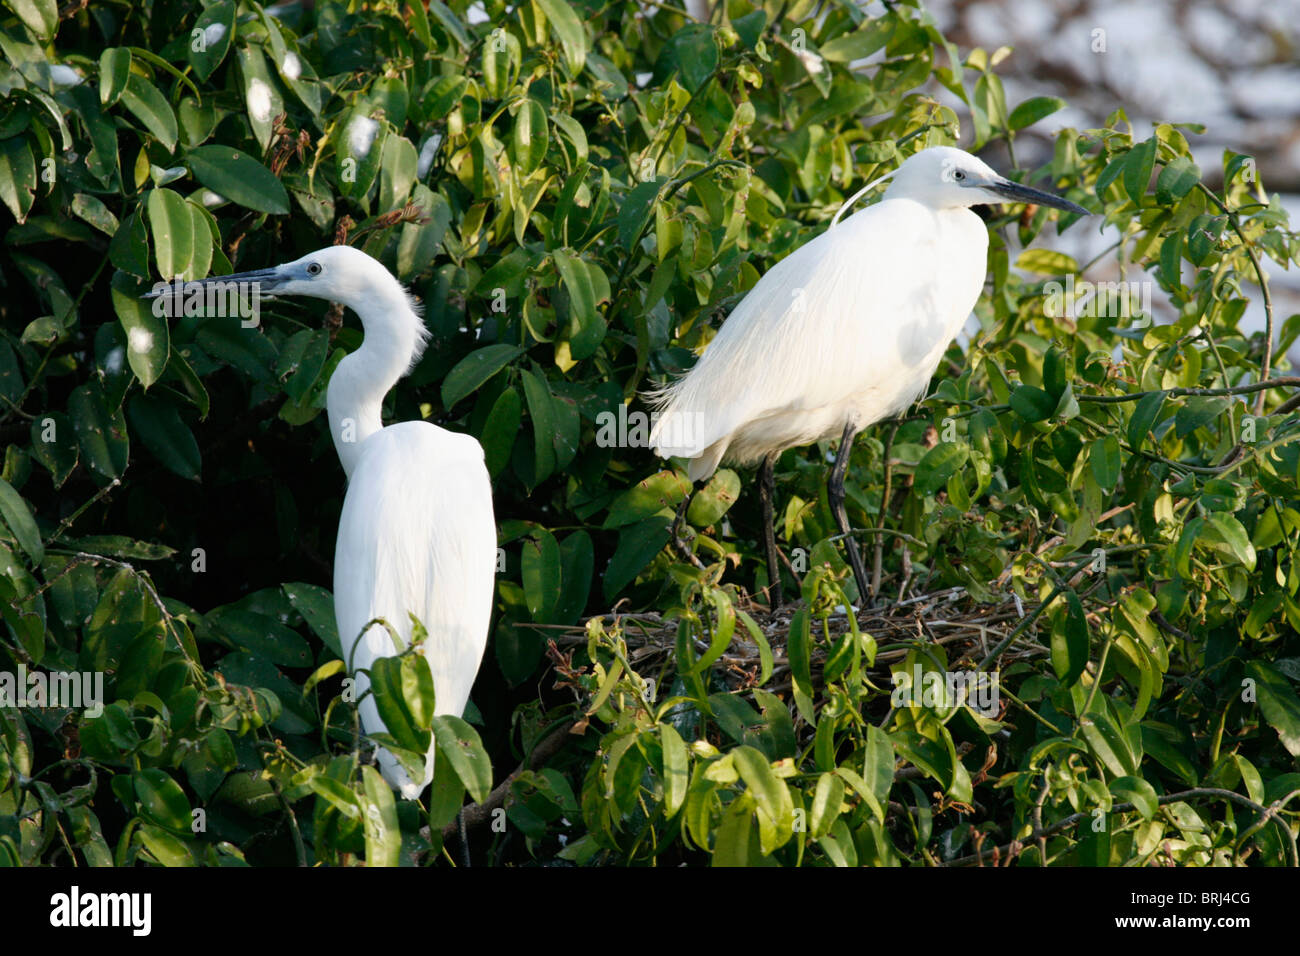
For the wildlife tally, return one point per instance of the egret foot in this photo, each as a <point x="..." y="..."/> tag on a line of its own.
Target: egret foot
<point x="835" y="492"/>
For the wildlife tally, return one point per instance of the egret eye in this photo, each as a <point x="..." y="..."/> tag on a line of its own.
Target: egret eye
<point x="313" y="268"/>
<point x="958" y="175"/>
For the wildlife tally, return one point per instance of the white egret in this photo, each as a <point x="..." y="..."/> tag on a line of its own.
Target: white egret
<point x="417" y="534"/>
<point x="845" y="331"/>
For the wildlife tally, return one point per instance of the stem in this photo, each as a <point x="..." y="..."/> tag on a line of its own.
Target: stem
<point x="1266" y="368"/>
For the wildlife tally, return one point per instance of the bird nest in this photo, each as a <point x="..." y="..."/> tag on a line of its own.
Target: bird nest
<point x="967" y="629"/>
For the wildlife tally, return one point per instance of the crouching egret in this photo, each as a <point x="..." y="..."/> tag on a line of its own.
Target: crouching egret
<point x="845" y="331"/>
<point x="417" y="534"/>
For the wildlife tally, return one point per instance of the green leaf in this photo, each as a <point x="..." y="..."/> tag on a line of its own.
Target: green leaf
<point x="568" y="29"/>
<point x="387" y="686"/>
<point x="114" y="72"/>
<point x="450" y="21"/>
<point x="205" y="50"/>
<point x="172" y="228"/>
<point x="460" y="744"/>
<point x="151" y="108"/>
<point x="676" y="769"/>
<point x="540" y="570"/>
<point x="737" y="839"/>
<point x="715" y="499"/>
<point x="661" y="493"/>
<point x="167" y="437"/>
<point x="577" y="282"/>
<point x="239" y="178"/>
<point x="1251" y="778"/>
<point x="695" y="53"/>
<point x="635" y="211"/>
<point x="1138" y="792"/>
<point x="499" y="431"/>
<point x="1070" y="642"/>
<point x="224" y="338"/>
<point x="1278" y="702"/>
<point x="1137" y="169"/>
<point x="537" y="394"/>
<point x="637" y="545"/>
<point x="577" y="559"/>
<point x="54" y="445"/>
<point x="827" y="800"/>
<point x="316" y="605"/>
<point x="878" y="765"/>
<point x="771" y="796"/>
<point x="938" y="465"/>
<point x="379" y="817"/>
<point x="398" y="162"/>
<point x="129" y="248"/>
<point x="17" y="176"/>
<point x="1227" y="530"/>
<point x="1047" y="262"/>
<point x="473" y="370"/>
<point x="1203" y="236"/>
<point x="856" y="45"/>
<point x="39" y="16"/>
<point x="419" y="242"/>
<point x="1159" y="740"/>
<point x="166" y="849"/>
<point x="1032" y="110"/>
<point x="91" y="210"/>
<point x="18" y="517"/>
<point x="1198" y="412"/>
<point x="750" y="27"/>
<point x="119" y="546"/>
<point x="262" y="97"/>
<point x="147" y="339"/>
<point x="1176" y="180"/>
<point x="102" y="433"/>
<point x="529" y="137"/>
<point x="1033" y="404"/>
<point x="162" y="800"/>
<point x="799" y="651"/>
<point x="1104" y="458"/>
<point x="1144" y="416"/>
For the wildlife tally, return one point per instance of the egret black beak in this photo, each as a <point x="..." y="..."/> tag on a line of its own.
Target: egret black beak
<point x="264" y="281"/>
<point x="1014" y="192"/>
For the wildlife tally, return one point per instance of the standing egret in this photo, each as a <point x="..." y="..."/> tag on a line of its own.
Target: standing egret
<point x="417" y="534"/>
<point x="845" y="331"/>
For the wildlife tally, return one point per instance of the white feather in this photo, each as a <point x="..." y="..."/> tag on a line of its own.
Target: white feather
<point x="416" y="536"/>
<point x="848" y="327"/>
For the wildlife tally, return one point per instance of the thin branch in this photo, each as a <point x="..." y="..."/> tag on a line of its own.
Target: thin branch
<point x="481" y="813"/>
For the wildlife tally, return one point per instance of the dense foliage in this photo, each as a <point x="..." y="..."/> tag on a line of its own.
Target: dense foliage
<point x="579" y="192"/>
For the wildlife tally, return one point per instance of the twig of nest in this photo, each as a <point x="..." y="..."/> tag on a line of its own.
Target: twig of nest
<point x="950" y="618"/>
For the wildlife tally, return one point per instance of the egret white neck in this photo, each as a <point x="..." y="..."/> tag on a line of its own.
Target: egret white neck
<point x="355" y="396"/>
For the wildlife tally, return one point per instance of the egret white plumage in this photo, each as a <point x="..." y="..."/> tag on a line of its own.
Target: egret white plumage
<point x="843" y="332"/>
<point x="417" y="533"/>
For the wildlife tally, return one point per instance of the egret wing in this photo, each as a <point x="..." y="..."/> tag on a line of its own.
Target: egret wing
<point x="417" y="536"/>
<point x="859" y="307"/>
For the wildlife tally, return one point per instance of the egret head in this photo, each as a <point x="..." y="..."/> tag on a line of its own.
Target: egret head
<point x="336" y="273"/>
<point x="944" y="177"/>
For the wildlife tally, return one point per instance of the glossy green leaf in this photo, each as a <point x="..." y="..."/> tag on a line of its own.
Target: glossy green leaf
<point x="151" y="108"/>
<point x="474" y="369"/>
<point x="460" y="744"/>
<point x="239" y="178"/>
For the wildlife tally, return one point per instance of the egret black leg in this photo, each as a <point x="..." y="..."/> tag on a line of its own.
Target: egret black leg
<point x="679" y="542"/>
<point x="464" y="838"/>
<point x="767" y="495"/>
<point x="835" y="491"/>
